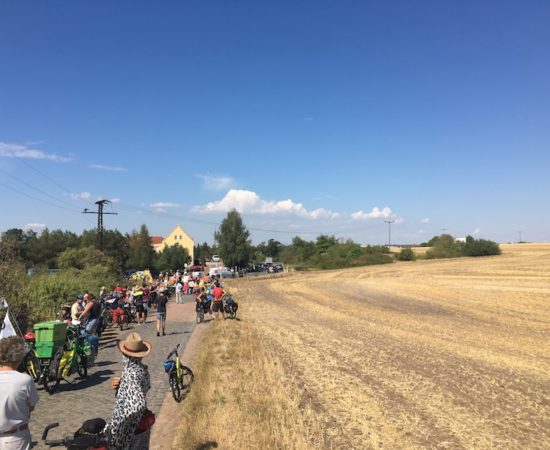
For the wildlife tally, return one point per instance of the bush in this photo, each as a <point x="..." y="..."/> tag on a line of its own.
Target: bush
<point x="480" y="247"/>
<point x="39" y="297"/>
<point x="444" y="247"/>
<point x="406" y="254"/>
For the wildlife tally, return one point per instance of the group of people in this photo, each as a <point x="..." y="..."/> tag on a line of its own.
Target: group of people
<point x="18" y="395"/>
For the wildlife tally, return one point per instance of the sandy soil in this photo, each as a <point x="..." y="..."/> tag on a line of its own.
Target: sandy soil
<point x="426" y="354"/>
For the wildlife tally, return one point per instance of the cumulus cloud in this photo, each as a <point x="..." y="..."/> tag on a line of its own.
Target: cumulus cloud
<point x="375" y="213"/>
<point x="163" y="206"/>
<point x="34" y="226"/>
<point x="425" y="220"/>
<point x="10" y="150"/>
<point x="81" y="196"/>
<point x="476" y="231"/>
<point x="248" y="202"/>
<point x="215" y="183"/>
<point x="109" y="168"/>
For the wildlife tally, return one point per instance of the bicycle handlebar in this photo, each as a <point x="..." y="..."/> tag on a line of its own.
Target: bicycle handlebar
<point x="174" y="351"/>
<point x="55" y="442"/>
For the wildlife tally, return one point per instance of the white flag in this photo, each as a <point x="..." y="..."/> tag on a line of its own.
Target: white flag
<point x="7" y="327"/>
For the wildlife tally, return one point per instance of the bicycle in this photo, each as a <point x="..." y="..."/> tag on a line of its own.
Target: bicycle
<point x="231" y="307"/>
<point x="180" y="377"/>
<point x="202" y="308"/>
<point x="31" y="363"/>
<point x="66" y="362"/>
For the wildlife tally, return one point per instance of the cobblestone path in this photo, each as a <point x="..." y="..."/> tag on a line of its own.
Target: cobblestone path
<point x="92" y="397"/>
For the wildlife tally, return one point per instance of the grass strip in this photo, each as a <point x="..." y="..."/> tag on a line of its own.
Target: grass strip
<point x="243" y="398"/>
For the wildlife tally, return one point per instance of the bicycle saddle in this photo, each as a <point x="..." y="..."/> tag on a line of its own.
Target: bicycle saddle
<point x="94" y="426"/>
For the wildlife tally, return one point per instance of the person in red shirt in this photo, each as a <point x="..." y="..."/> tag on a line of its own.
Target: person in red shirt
<point x="217" y="305"/>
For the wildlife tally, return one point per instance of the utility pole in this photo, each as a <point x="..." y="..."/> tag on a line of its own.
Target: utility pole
<point x="519" y="232"/>
<point x="100" y="212"/>
<point x="444" y="230"/>
<point x="389" y="222"/>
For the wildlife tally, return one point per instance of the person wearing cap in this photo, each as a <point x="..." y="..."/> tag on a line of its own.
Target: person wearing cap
<point x="130" y="403"/>
<point x="18" y="396"/>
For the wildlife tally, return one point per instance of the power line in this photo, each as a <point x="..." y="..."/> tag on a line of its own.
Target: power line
<point x="38" y="199"/>
<point x="40" y="191"/>
<point x="35" y="169"/>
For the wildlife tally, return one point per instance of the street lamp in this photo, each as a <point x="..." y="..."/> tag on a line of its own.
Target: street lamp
<point x="389" y="222"/>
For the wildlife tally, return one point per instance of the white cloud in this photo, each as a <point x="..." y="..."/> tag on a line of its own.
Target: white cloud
<point x="376" y="213"/>
<point x="114" y="200"/>
<point x="81" y="196"/>
<point x="109" y="168"/>
<point x="476" y="231"/>
<point x="34" y="226"/>
<point x="163" y="206"/>
<point x="425" y="220"/>
<point x="215" y="183"/>
<point x="23" y="151"/>
<point x="248" y="202"/>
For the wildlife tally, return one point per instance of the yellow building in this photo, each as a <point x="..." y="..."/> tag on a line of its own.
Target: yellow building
<point x="177" y="236"/>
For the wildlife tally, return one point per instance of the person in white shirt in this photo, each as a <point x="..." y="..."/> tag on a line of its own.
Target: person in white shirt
<point x="179" y="295"/>
<point x="18" y="396"/>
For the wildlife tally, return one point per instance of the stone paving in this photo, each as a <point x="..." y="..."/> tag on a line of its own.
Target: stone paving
<point x="92" y="397"/>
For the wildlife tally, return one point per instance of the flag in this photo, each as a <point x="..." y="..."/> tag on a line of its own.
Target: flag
<point x="7" y="327"/>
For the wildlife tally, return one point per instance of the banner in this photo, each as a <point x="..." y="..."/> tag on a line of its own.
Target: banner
<point x="7" y="327"/>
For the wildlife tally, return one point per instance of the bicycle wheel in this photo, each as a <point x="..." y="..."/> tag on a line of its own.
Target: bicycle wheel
<point x="50" y="384"/>
<point x="185" y="381"/>
<point x="81" y="366"/>
<point x="175" y="387"/>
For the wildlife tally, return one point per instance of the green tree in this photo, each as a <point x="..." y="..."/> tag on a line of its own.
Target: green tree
<point x="273" y="248"/>
<point x="303" y="249"/>
<point x="12" y="244"/>
<point x="233" y="241"/>
<point x="324" y="242"/>
<point x="80" y="258"/>
<point x="141" y="253"/>
<point x="172" y="258"/>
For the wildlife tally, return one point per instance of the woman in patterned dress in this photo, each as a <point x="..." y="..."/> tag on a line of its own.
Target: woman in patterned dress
<point x="130" y="401"/>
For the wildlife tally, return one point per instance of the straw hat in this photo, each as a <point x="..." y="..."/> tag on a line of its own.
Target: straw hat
<point x="134" y="346"/>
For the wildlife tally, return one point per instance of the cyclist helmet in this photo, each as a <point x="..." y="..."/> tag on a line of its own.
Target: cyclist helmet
<point x="30" y="336"/>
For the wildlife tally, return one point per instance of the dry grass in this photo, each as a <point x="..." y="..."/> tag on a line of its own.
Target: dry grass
<point x="244" y="397"/>
<point x="426" y="354"/>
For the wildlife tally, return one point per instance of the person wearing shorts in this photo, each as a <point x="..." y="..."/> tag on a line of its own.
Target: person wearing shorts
<point x="217" y="305"/>
<point x="161" y="302"/>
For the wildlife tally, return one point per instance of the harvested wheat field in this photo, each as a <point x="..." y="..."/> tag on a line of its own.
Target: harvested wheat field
<point x="426" y="354"/>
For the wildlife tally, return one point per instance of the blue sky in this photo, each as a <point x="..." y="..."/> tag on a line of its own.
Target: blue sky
<point x="308" y="117"/>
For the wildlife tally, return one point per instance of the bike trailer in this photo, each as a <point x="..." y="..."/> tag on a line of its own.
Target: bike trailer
<point x="49" y="336"/>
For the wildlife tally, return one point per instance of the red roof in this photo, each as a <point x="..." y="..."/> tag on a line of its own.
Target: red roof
<point x="155" y="240"/>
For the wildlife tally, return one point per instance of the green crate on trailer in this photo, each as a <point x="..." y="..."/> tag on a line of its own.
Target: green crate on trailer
<point x="46" y="349"/>
<point x="53" y="331"/>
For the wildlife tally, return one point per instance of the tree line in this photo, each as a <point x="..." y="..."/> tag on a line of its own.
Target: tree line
<point x="64" y="249"/>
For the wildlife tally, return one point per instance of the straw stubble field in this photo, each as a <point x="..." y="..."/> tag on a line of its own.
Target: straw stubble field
<point x="427" y="354"/>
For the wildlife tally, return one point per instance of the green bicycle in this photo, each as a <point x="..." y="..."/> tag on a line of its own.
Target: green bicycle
<point x="180" y="377"/>
<point x="66" y="362"/>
